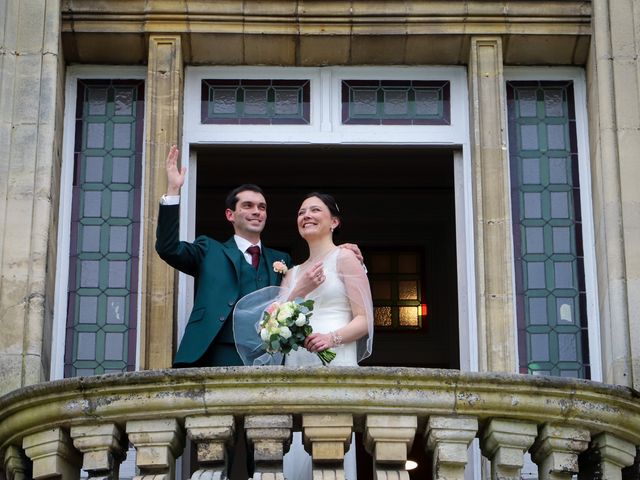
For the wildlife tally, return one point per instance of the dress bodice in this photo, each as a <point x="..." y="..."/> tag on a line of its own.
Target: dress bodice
<point x="331" y="311"/>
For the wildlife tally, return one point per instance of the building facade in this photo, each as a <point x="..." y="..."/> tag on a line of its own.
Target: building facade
<point x="483" y="153"/>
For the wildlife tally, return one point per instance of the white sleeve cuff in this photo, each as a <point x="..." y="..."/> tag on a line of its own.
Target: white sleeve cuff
<point x="170" y="200"/>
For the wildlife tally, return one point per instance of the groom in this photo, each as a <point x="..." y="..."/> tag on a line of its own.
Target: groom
<point x="224" y="272"/>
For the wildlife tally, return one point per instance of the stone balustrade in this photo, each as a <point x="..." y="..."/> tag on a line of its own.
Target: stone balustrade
<point x="57" y="429"/>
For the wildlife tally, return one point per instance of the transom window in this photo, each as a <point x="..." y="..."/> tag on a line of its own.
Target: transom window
<point x="395" y="102"/>
<point x="256" y="101"/>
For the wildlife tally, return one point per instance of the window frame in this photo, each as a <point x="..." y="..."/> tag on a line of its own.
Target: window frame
<point x="73" y="74"/>
<point x="577" y="76"/>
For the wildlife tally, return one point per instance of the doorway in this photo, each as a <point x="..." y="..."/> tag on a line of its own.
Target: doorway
<point x="395" y="201"/>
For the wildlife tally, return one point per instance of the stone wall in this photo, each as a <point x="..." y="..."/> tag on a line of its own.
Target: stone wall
<point x="31" y="112"/>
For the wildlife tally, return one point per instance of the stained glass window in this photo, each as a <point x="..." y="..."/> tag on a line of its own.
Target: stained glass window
<point x="396" y="288"/>
<point x="270" y="102"/>
<point x="395" y="102"/>
<point x="549" y="263"/>
<point x="105" y="228"/>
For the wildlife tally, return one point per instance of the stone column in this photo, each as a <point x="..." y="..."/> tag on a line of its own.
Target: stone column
<point x="492" y="200"/>
<point x="614" y="95"/>
<point x="270" y="437"/>
<point x="163" y="113"/>
<point x="607" y="456"/>
<point x="388" y="438"/>
<point x="158" y="443"/>
<point x="31" y="79"/>
<point x="16" y="464"/>
<point x="52" y="454"/>
<point x="327" y="437"/>
<point x="449" y="439"/>
<point x="103" y="448"/>
<point x="556" y="451"/>
<point x="213" y="436"/>
<point x="505" y="442"/>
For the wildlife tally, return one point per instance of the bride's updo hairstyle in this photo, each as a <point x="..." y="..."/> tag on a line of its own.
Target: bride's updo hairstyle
<point x="331" y="204"/>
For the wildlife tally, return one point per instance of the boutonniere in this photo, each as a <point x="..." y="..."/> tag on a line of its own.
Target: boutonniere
<point x="280" y="267"/>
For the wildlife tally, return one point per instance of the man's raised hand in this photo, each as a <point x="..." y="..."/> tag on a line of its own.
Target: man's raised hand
<point x="175" y="177"/>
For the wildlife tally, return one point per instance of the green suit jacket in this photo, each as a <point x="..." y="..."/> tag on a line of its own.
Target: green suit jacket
<point x="216" y="267"/>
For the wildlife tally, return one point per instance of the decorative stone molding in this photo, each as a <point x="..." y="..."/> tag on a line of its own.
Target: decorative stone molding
<point x="449" y="438"/>
<point x="608" y="456"/>
<point x="388" y="438"/>
<point x="505" y="442"/>
<point x="16" y="464"/>
<point x="327" y="437"/>
<point x="213" y="435"/>
<point x="103" y="448"/>
<point x="270" y="437"/>
<point x="52" y="454"/>
<point x="556" y="451"/>
<point x="158" y="443"/>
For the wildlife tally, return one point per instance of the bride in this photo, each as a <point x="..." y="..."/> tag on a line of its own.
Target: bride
<point x="342" y="317"/>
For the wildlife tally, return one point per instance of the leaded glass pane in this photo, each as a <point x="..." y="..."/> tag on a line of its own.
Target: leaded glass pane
<point x="118" y="236"/>
<point x="531" y="170"/>
<point x="105" y="228"/>
<point x="383" y="317"/>
<point x="544" y="184"/>
<point x="380" y="263"/>
<point x="123" y="100"/>
<point x="120" y="204"/>
<point x="555" y="137"/>
<point x="381" y="289"/>
<point x="88" y="310"/>
<point x="116" y="310"/>
<point x="529" y="137"/>
<point x="395" y="102"/>
<point x="92" y="204"/>
<point x="97" y="101"/>
<point x="538" y="310"/>
<point x="90" y="238"/>
<point x="122" y="135"/>
<point x="558" y="170"/>
<point x="93" y="169"/>
<point x="95" y="135"/>
<point x="113" y="349"/>
<point x="408" y="290"/>
<point x="256" y="101"/>
<point x="408" y="263"/>
<point x="409" y="316"/>
<point x="120" y="172"/>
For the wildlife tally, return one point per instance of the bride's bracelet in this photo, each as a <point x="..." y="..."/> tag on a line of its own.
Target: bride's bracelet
<point x="336" y="339"/>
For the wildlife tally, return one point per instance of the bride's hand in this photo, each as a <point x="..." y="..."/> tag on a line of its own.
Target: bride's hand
<point x="310" y="280"/>
<point x="317" y="342"/>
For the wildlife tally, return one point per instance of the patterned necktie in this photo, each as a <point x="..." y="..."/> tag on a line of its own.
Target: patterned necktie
<point x="255" y="255"/>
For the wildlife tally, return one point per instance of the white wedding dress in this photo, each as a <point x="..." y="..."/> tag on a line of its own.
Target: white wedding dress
<point x="331" y="311"/>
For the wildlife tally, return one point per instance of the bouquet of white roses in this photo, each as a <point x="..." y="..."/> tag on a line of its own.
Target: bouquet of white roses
<point x="284" y="326"/>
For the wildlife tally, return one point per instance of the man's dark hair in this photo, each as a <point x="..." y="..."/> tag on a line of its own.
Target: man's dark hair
<point x="232" y="198"/>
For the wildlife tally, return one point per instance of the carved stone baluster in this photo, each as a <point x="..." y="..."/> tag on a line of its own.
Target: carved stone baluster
<point x="327" y="437"/>
<point x="505" y="442"/>
<point x="270" y="437"/>
<point x="213" y="436"/>
<point x="16" y="464"/>
<point x="157" y="444"/>
<point x="449" y="438"/>
<point x="388" y="438"/>
<point x="52" y="454"/>
<point x="606" y="457"/>
<point x="556" y="451"/>
<point x="103" y="447"/>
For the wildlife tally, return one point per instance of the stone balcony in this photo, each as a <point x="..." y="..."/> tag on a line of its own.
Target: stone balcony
<point x="55" y="429"/>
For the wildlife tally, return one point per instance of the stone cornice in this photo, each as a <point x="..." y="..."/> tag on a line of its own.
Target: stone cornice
<point x="407" y="17"/>
<point x="270" y="390"/>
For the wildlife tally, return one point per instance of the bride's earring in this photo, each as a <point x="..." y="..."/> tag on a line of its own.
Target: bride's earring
<point x="331" y="229"/>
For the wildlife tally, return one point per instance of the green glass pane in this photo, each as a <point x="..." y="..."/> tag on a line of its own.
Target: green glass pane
<point x="545" y="228"/>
